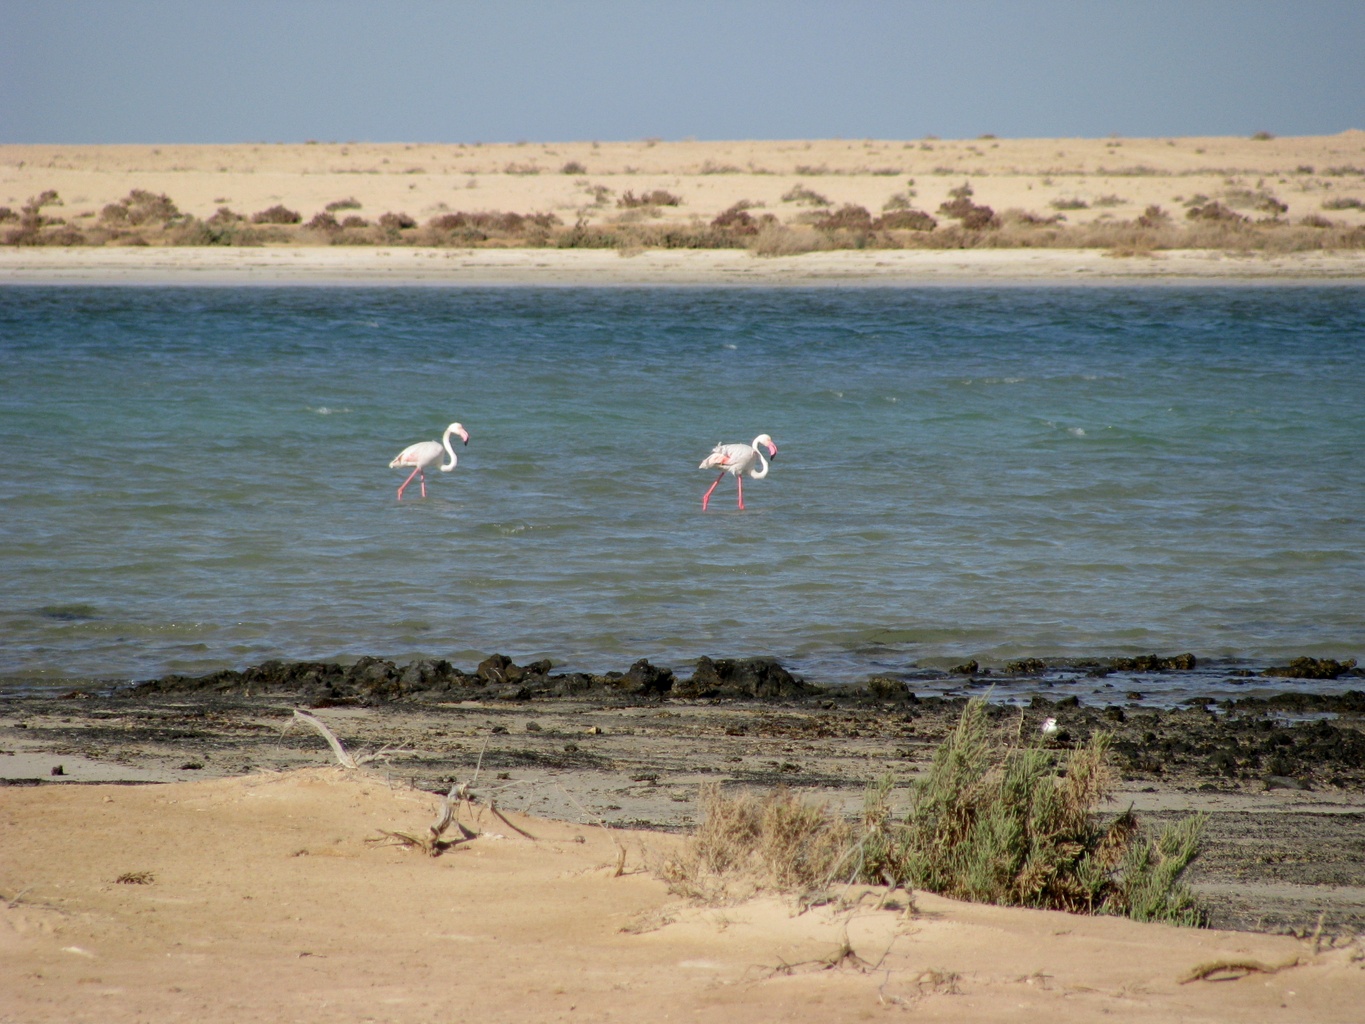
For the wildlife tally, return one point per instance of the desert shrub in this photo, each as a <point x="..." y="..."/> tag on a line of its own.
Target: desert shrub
<point x="967" y="213"/>
<point x="6" y="214"/>
<point x="774" y="239"/>
<point x="32" y="220"/>
<point x="585" y="236"/>
<point x="325" y="221"/>
<point x="1254" y="199"/>
<point x="990" y="821"/>
<point x="848" y="217"/>
<point x="1343" y="203"/>
<point x="805" y="197"/>
<point x="711" y="167"/>
<point x="354" y="222"/>
<point x="194" y="232"/>
<point x="737" y="219"/>
<point x="1104" y="202"/>
<point x="223" y="215"/>
<point x="277" y="214"/>
<point x="140" y="207"/>
<point x="1314" y="220"/>
<point x="573" y="167"/>
<point x="1069" y="204"/>
<point x="350" y="203"/>
<point x="1154" y="217"/>
<point x="1262" y="136"/>
<point x="1213" y="211"/>
<point x="396" y="221"/>
<point x="904" y="220"/>
<point x="1028" y="219"/>
<point x="493" y="222"/>
<point x="659" y="197"/>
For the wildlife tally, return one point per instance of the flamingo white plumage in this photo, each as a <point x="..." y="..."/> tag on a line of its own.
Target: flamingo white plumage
<point x="739" y="460"/>
<point x="425" y="454"/>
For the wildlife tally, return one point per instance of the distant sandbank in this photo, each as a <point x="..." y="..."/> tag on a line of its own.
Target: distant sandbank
<point x="552" y="267"/>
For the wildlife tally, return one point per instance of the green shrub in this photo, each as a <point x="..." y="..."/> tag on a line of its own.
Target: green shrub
<point x="991" y="822"/>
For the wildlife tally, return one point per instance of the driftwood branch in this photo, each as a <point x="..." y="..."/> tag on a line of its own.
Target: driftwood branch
<point x="313" y="722"/>
<point x="1231" y="970"/>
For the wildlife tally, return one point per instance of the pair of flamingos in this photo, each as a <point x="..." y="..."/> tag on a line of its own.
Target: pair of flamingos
<point x="739" y="460"/>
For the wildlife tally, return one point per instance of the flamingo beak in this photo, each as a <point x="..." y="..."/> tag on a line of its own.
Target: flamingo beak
<point x="772" y="451"/>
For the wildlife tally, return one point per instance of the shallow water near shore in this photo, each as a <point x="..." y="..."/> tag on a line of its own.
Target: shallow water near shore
<point x="196" y="478"/>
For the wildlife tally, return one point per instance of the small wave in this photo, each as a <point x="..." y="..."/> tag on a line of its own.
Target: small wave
<point x="323" y="410"/>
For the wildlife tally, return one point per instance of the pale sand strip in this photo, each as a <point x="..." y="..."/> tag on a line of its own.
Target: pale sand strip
<point x="555" y="267"/>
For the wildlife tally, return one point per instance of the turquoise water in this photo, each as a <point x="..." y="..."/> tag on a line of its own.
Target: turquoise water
<point x="193" y="479"/>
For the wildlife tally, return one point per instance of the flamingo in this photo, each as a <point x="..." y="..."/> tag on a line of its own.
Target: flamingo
<point x="425" y="454"/>
<point x="739" y="461"/>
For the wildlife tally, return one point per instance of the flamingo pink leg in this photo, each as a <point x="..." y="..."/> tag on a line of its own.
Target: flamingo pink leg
<point x="409" y="480"/>
<point x="739" y="480"/>
<point x="707" y="496"/>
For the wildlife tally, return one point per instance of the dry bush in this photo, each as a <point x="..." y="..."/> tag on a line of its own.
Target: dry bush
<point x="350" y="203"/>
<point x="967" y="213"/>
<point x="751" y="842"/>
<point x="1072" y="203"/>
<point x="738" y="220"/>
<point x="805" y="197"/>
<point x="1254" y="199"/>
<point x="36" y="228"/>
<point x="904" y="220"/>
<point x="659" y="197"/>
<point x="396" y="221"/>
<point x="140" y="207"/>
<point x="325" y="222"/>
<point x="1154" y="217"/>
<point x="776" y="239"/>
<point x="1343" y="203"/>
<point x="278" y="214"/>
<point x="1107" y="201"/>
<point x="849" y="217"/>
<point x="573" y="167"/>
<point x="1213" y="211"/>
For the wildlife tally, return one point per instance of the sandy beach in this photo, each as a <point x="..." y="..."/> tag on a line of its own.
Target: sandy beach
<point x="1060" y="210"/>
<point x="598" y="268"/>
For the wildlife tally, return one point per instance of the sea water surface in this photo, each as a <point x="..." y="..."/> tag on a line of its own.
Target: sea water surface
<point x="196" y="478"/>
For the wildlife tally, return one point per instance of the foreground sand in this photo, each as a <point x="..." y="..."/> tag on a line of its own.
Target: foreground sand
<point x="260" y="900"/>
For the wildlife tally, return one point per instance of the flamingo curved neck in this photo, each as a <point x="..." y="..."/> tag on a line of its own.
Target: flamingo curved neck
<point x="445" y="440"/>
<point x="759" y="474"/>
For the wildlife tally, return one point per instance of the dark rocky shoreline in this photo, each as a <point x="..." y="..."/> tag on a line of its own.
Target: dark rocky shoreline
<point x="1246" y="739"/>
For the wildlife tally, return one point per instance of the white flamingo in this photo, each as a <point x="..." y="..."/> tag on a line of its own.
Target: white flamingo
<point x="739" y="460"/>
<point x="425" y="454"/>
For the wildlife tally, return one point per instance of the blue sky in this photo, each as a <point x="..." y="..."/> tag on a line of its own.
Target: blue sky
<point x="167" y="71"/>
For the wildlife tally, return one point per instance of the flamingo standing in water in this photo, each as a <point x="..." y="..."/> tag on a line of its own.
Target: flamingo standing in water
<point x="739" y="460"/>
<point x="425" y="454"/>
